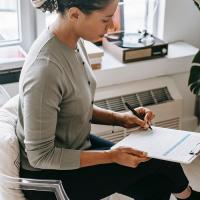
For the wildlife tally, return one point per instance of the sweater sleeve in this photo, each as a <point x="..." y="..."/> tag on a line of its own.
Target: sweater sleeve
<point x="42" y="94"/>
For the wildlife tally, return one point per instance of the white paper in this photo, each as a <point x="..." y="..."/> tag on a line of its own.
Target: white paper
<point x="165" y="144"/>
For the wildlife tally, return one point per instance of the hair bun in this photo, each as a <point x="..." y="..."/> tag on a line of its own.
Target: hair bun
<point x="38" y="3"/>
<point x="46" y="5"/>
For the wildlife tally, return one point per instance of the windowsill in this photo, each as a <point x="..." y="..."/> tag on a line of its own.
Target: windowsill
<point x="11" y="57"/>
<point x="178" y="60"/>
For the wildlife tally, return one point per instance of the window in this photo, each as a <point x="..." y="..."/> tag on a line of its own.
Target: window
<point x="137" y="15"/>
<point x="9" y="23"/>
<point x="50" y="17"/>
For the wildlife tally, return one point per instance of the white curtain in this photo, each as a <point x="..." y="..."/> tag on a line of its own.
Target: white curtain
<point x="9" y="5"/>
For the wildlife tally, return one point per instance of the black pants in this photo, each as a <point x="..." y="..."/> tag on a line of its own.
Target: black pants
<point x="152" y="180"/>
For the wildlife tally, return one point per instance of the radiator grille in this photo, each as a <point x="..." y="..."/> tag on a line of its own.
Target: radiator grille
<point x="162" y="95"/>
<point x="119" y="134"/>
<point x="145" y="98"/>
<point x="116" y="104"/>
<point x="171" y="123"/>
<point x="132" y="99"/>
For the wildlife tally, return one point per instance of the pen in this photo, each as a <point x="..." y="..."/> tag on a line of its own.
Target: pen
<point x="134" y="112"/>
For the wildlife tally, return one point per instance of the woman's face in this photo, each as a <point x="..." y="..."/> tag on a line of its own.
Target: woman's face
<point x="93" y="26"/>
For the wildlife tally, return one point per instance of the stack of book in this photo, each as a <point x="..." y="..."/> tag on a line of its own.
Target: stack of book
<point x="12" y="53"/>
<point x="95" y="54"/>
<point x="11" y="57"/>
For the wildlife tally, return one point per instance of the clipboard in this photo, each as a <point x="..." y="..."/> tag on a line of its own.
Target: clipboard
<point x="165" y="144"/>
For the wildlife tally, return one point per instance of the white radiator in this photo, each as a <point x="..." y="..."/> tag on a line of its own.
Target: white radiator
<point x="159" y="94"/>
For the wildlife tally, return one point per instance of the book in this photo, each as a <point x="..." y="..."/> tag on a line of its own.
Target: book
<point x="165" y="144"/>
<point x="12" y="54"/>
<point x="95" y="54"/>
<point x="93" y="51"/>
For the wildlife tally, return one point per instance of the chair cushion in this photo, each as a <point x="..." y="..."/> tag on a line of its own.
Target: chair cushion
<point x="9" y="148"/>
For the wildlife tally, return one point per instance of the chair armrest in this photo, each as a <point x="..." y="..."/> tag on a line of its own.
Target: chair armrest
<point x="34" y="184"/>
<point x="4" y="96"/>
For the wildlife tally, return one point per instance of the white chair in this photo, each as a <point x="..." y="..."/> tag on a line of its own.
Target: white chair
<point x="4" y="96"/>
<point x="10" y="182"/>
<point x="34" y="184"/>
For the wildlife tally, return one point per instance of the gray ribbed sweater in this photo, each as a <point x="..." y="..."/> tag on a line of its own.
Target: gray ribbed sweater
<point x="56" y="92"/>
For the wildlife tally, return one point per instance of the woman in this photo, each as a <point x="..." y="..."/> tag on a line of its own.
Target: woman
<point x="56" y="110"/>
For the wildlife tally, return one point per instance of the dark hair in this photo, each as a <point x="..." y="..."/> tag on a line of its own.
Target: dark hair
<point x="87" y="6"/>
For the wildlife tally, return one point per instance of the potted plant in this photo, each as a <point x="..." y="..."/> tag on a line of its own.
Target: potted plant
<point x="194" y="78"/>
<point x="197" y="3"/>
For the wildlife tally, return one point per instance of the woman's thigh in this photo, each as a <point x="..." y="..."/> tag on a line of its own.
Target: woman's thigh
<point x="172" y="172"/>
<point x="98" y="143"/>
<point x="152" y="187"/>
<point x="96" y="182"/>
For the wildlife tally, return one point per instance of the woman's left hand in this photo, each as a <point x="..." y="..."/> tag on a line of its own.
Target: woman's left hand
<point x="129" y="120"/>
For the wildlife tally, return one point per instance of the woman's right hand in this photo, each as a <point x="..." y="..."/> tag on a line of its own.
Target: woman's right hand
<point x="128" y="157"/>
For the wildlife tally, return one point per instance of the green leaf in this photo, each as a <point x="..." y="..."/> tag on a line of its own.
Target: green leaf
<point x="197" y="89"/>
<point x="196" y="58"/>
<point x="194" y="74"/>
<point x="193" y="86"/>
<point x="197" y="4"/>
<point x="194" y="71"/>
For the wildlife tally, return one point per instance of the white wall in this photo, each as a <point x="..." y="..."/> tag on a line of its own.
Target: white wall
<point x="189" y="120"/>
<point x="28" y="23"/>
<point x="181" y="21"/>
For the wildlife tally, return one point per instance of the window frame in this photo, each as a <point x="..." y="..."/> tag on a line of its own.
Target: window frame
<point x="19" y="40"/>
<point x="41" y="23"/>
<point x="32" y="23"/>
<point x="156" y="27"/>
<point x="27" y="26"/>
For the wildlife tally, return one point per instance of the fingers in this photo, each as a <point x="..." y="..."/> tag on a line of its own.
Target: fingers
<point x="148" y="117"/>
<point x="142" y="123"/>
<point x="146" y="113"/>
<point x="133" y="151"/>
<point x="142" y="159"/>
<point x="135" y="161"/>
<point x="127" y="156"/>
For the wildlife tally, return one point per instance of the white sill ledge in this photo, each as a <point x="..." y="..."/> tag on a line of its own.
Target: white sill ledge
<point x="11" y="65"/>
<point x="177" y="61"/>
